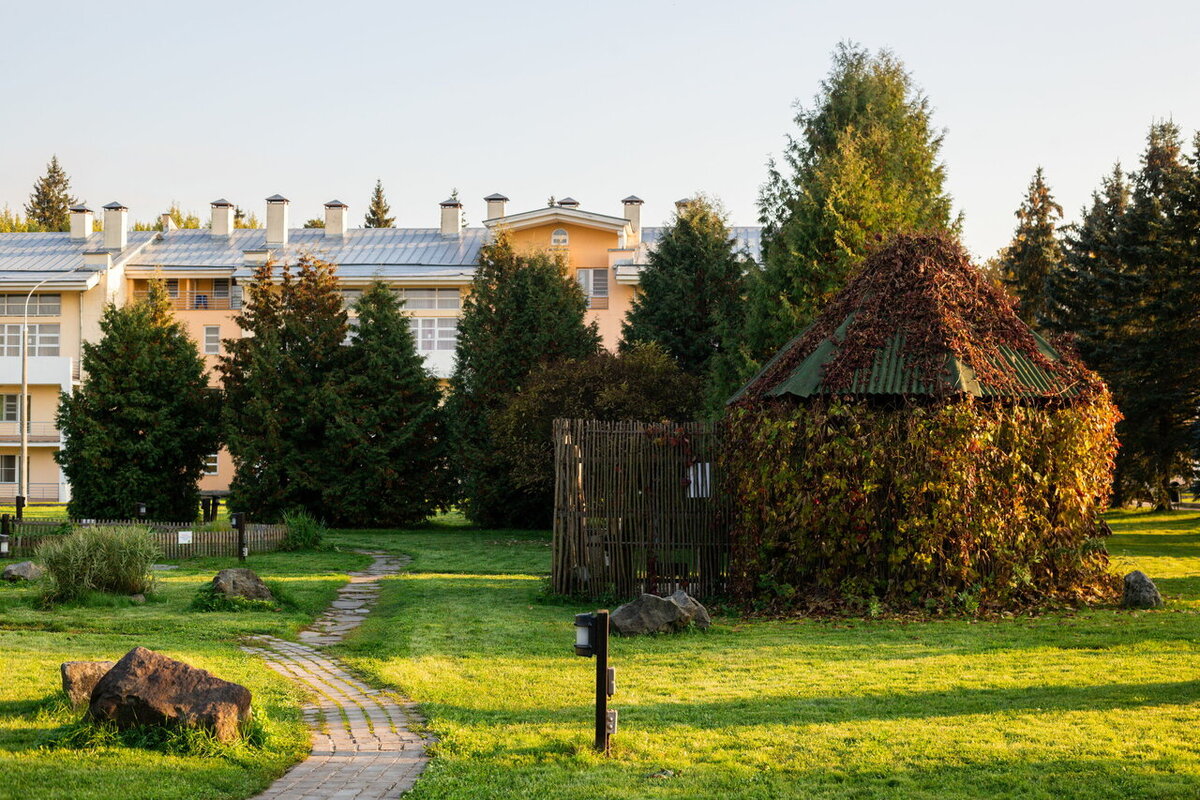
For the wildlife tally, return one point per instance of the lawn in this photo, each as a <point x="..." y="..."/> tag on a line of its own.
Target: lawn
<point x="34" y="642"/>
<point x="1095" y="704"/>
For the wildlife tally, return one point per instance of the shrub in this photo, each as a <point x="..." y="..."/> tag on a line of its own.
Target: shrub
<point x="304" y="531"/>
<point x="209" y="599"/>
<point x="641" y="384"/>
<point x="114" y="559"/>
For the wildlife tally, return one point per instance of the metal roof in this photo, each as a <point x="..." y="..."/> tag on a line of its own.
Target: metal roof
<point x="366" y="247"/>
<point x="56" y="252"/>
<point x="749" y="239"/>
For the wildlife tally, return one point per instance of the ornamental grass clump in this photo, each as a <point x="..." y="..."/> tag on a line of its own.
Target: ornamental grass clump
<point x="114" y="559"/>
<point x="919" y="447"/>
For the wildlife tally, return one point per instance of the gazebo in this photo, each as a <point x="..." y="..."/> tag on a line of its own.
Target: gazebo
<point x="919" y="446"/>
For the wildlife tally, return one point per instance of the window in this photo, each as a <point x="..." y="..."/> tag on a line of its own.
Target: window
<point x="432" y="298"/>
<point x="559" y="238"/>
<point x="8" y="469"/>
<point x="40" y="305"/>
<point x="434" y="333"/>
<point x="212" y="339"/>
<point x="221" y="288"/>
<point x="595" y="286"/>
<point x="8" y="411"/>
<point x="350" y="297"/>
<point x="211" y="464"/>
<point x="43" y="339"/>
<point x="173" y="287"/>
<point x="351" y="330"/>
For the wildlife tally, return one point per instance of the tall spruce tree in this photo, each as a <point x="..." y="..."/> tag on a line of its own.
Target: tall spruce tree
<point x="49" y="205"/>
<point x="1035" y="251"/>
<point x="378" y="210"/>
<point x="523" y="310"/>
<point x="389" y="428"/>
<point x="143" y="421"/>
<point x="1128" y="292"/>
<point x="693" y="290"/>
<point x="865" y="164"/>
<point x="281" y="389"/>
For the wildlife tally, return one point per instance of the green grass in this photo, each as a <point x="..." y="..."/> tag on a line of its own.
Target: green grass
<point x="33" y="642"/>
<point x="1095" y="704"/>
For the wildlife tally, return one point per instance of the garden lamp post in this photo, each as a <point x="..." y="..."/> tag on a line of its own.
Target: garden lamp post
<point x="591" y="640"/>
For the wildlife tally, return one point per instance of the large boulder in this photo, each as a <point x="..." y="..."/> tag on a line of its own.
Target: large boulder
<point x="80" y="677"/>
<point x="241" y="582"/>
<point x="1140" y="592"/>
<point x="23" y="571"/>
<point x="147" y="688"/>
<point x="653" y="614"/>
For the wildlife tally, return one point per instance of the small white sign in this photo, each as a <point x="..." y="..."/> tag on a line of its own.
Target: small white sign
<point x="185" y="537"/>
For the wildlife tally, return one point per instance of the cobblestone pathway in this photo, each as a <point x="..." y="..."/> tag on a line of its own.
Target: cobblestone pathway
<point x="362" y="746"/>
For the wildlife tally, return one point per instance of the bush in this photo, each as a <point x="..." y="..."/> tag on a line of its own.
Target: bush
<point x="304" y="531"/>
<point x="113" y="558"/>
<point x="641" y="384"/>
<point x="209" y="599"/>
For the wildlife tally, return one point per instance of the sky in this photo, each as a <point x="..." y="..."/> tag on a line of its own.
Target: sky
<point x="149" y="103"/>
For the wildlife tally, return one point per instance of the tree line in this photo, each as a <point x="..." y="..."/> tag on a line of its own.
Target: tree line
<point x="344" y="421"/>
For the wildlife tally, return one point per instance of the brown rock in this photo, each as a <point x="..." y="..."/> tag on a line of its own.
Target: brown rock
<point x="80" y="677"/>
<point x="147" y="688"/>
<point x="241" y="582"/>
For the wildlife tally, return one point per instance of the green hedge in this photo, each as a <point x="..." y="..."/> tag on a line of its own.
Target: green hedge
<point x="969" y="506"/>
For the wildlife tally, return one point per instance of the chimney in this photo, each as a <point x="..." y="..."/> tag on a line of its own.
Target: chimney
<point x="495" y="205"/>
<point x="451" y="211"/>
<point x="168" y="222"/>
<point x="336" y="215"/>
<point x="222" y="218"/>
<point x="633" y="213"/>
<point x="569" y="202"/>
<point x="115" y="235"/>
<point x="81" y="223"/>
<point x="277" y="220"/>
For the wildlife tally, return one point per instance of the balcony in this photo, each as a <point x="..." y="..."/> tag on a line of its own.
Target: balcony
<point x="39" y="432"/>
<point x="38" y="493"/>
<point x="199" y="301"/>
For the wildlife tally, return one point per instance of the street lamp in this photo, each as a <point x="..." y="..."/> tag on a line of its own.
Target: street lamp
<point x="591" y="639"/>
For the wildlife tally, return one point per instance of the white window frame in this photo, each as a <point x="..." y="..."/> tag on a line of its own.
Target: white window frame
<point x="10" y="408"/>
<point x="40" y="305"/>
<point x="560" y="238"/>
<point x="44" y="339"/>
<point x="221" y="287"/>
<point x="433" y="298"/>
<point x="212" y="340"/>
<point x="593" y="289"/>
<point x="434" y="334"/>
<point x="8" y="466"/>
<point x="212" y="464"/>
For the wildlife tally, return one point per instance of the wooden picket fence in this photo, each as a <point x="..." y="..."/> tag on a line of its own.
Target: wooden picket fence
<point x="174" y="539"/>
<point x="637" y="509"/>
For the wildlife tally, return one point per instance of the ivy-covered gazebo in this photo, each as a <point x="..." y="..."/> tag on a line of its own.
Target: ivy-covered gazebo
<point x="919" y="446"/>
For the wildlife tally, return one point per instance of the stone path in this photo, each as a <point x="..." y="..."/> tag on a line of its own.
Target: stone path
<point x="363" y="748"/>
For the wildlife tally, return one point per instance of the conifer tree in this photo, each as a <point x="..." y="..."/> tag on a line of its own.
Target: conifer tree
<point x="389" y="427"/>
<point x="1035" y="251"/>
<point x="522" y="310"/>
<point x="281" y="382"/>
<point x="693" y="290"/>
<point x="378" y="210"/>
<point x="50" y="202"/>
<point x="865" y="164"/>
<point x="143" y="421"/>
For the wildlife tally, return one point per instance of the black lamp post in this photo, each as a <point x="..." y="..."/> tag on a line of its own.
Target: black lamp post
<point x="591" y="639"/>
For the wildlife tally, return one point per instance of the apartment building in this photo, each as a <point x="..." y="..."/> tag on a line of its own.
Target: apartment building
<point x="68" y="278"/>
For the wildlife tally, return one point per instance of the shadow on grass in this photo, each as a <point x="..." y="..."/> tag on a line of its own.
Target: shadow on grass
<point x="792" y="710"/>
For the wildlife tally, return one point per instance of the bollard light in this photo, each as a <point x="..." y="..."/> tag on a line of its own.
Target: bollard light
<point x="585" y="624"/>
<point x="141" y="509"/>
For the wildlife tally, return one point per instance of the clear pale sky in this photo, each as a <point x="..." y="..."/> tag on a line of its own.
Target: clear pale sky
<point x="152" y="102"/>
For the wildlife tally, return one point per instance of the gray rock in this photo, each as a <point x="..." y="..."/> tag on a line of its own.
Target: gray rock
<point x="1140" y="592"/>
<point x="23" y="571"/>
<point x="653" y="614"/>
<point x="147" y="688"/>
<point x="241" y="582"/>
<point x="80" y="677"/>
